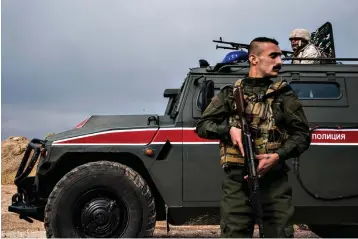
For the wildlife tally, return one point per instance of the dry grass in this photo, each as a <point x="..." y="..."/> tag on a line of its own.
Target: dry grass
<point x="12" y="153"/>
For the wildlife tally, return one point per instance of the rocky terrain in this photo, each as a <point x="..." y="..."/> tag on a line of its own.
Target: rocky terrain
<point x="12" y="151"/>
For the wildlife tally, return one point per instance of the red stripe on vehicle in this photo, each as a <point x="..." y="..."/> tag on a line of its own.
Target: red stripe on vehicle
<point x="82" y="123"/>
<point x="335" y="136"/>
<point x="168" y="134"/>
<point x="118" y="137"/>
<point x="188" y="135"/>
<point x="179" y="136"/>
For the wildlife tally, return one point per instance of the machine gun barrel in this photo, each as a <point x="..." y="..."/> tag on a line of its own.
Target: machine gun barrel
<point x="225" y="47"/>
<point x="237" y="46"/>
<point x="253" y="179"/>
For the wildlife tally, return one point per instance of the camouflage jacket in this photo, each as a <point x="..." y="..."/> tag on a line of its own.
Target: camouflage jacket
<point x="289" y="115"/>
<point x="309" y="51"/>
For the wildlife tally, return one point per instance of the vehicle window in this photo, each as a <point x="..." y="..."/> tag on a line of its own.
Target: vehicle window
<point x="316" y="90"/>
<point x="198" y="102"/>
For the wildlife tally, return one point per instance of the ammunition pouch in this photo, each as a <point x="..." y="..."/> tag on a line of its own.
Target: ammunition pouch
<point x="260" y="147"/>
<point x="272" y="146"/>
<point x="257" y="109"/>
<point x="231" y="160"/>
<point x="264" y="147"/>
<point x="230" y="154"/>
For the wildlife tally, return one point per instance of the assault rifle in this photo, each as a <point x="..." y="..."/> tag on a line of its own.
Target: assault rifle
<point x="237" y="46"/>
<point x="253" y="180"/>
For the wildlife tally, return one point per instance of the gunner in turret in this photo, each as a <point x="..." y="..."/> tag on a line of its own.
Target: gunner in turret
<point x="300" y="42"/>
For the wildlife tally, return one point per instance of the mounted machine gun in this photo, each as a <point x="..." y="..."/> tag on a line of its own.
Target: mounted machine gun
<point x="241" y="46"/>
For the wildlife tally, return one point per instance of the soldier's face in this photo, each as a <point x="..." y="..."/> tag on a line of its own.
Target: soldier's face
<point x="295" y="43"/>
<point x="269" y="62"/>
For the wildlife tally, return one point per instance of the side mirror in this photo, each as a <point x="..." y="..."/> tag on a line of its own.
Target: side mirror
<point x="207" y="94"/>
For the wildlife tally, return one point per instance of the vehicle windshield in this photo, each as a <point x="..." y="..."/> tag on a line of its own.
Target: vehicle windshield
<point x="175" y="102"/>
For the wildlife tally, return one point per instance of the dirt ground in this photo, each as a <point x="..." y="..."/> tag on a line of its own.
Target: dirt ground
<point x="12" y="226"/>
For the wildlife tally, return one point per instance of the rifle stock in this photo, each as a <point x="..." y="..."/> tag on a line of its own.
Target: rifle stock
<point x="249" y="157"/>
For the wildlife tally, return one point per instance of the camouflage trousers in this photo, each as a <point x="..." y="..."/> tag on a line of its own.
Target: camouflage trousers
<point x="237" y="214"/>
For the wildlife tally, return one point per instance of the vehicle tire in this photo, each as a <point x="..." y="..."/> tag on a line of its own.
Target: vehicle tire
<point x="335" y="231"/>
<point x="100" y="199"/>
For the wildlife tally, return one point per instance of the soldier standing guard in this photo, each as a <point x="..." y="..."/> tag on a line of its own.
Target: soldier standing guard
<point x="280" y="130"/>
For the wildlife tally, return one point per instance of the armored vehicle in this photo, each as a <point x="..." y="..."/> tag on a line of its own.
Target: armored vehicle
<point x="116" y="175"/>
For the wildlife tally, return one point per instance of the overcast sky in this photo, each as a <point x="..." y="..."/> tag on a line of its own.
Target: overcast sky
<point x="63" y="60"/>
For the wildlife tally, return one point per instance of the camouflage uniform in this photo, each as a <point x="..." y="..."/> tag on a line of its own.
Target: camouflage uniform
<point x="288" y="123"/>
<point x="307" y="50"/>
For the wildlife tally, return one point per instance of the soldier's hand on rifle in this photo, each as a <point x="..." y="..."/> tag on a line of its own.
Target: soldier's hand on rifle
<point x="235" y="134"/>
<point x="266" y="162"/>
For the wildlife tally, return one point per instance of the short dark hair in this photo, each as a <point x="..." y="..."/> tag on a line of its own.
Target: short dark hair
<point x="253" y="47"/>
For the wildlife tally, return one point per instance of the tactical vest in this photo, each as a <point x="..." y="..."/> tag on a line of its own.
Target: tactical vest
<point x="259" y="115"/>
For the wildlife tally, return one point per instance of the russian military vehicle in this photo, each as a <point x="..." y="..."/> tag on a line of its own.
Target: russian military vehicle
<point x="115" y="176"/>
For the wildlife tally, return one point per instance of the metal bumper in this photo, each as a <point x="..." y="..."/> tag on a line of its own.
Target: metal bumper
<point x="25" y="202"/>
